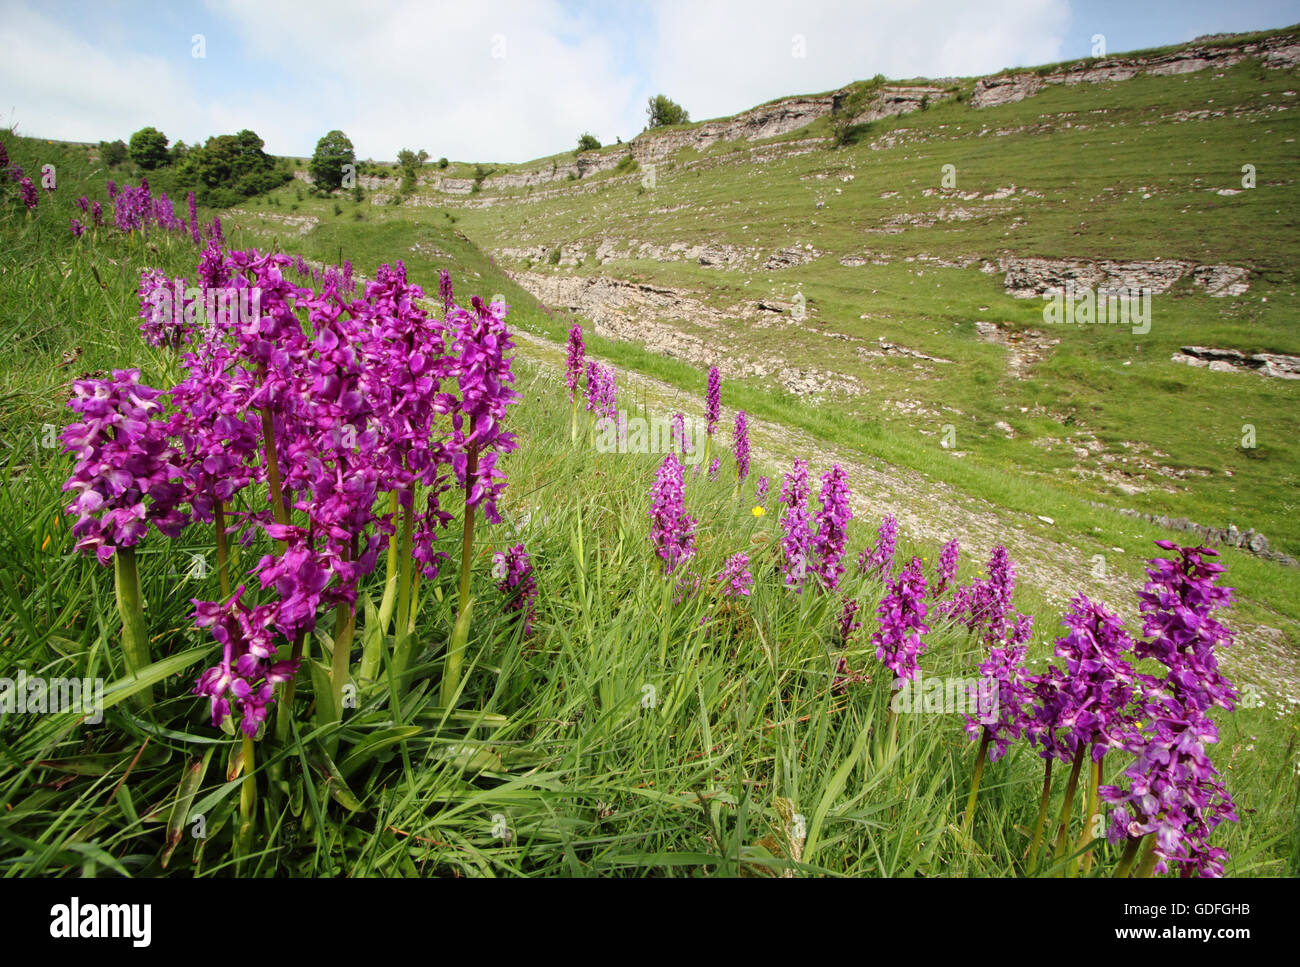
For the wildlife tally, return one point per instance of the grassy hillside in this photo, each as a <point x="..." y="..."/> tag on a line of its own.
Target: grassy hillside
<point x="1101" y="172"/>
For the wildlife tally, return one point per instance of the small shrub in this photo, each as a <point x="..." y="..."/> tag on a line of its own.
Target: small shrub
<point x="553" y="256"/>
<point x="112" y="153"/>
<point x="663" y="111"/>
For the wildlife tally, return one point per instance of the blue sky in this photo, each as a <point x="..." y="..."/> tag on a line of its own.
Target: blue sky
<point x="509" y="80"/>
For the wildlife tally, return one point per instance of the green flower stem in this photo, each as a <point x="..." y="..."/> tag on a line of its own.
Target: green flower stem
<point x="1043" y="802"/>
<point x="665" y="620"/>
<point x="985" y="737"/>
<point x="455" y="655"/>
<point x="278" y="510"/>
<point x="284" y="710"/>
<point x="1129" y="855"/>
<point x="135" y="634"/>
<point x="405" y="562"/>
<point x="345" y="623"/>
<point x="573" y="419"/>
<point x="415" y="600"/>
<point x="1094" y="780"/>
<point x="1063" y="831"/>
<point x="460" y="634"/>
<point x="1148" y="865"/>
<point x="223" y="547"/>
<point x="389" y="600"/>
<point x="247" y="794"/>
<point x="893" y="732"/>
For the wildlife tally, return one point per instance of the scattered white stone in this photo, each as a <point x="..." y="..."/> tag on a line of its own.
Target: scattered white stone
<point x="1046" y="520"/>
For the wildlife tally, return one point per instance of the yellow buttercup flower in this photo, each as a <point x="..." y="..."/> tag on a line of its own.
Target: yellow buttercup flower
<point x="759" y="512"/>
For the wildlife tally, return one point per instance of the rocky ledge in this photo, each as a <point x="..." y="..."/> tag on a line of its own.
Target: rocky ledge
<point x="1029" y="278"/>
<point x="1248" y="540"/>
<point x="1282" y="52"/>
<point x="1277" y="365"/>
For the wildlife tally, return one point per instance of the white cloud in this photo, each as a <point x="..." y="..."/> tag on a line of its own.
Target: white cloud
<point x="58" y="85"/>
<point x="478" y="81"/>
<point x="400" y="73"/>
<point x="720" y="57"/>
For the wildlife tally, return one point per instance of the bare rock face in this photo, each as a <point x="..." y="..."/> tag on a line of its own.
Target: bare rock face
<point x="885" y="348"/>
<point x="894" y="100"/>
<point x="707" y="254"/>
<point x="766" y="121"/>
<point x="579" y="167"/>
<point x="1249" y="540"/>
<point x="1024" y="347"/>
<point x="302" y="224"/>
<point x="1277" y="52"/>
<point x="789" y="257"/>
<point x="1285" y="57"/>
<point x="1005" y="89"/>
<point x="650" y="316"/>
<point x="1276" y="365"/>
<point x="1029" y="278"/>
<point x="454" y="186"/>
<point x="368" y="182"/>
<point x="1221" y="280"/>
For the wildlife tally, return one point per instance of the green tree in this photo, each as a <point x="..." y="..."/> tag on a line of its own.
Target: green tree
<point x="228" y="159"/>
<point x="332" y="152"/>
<point x="227" y="168"/>
<point x="410" y="162"/>
<point x="148" y="148"/>
<point x="662" y="111"/>
<point x="112" y="153"/>
<point x="588" y="142"/>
